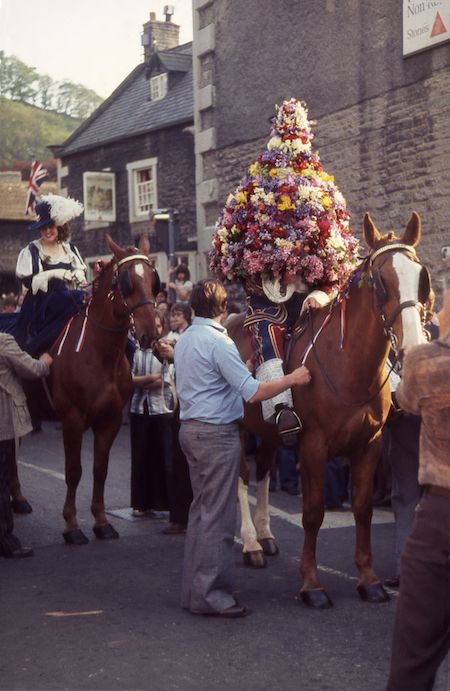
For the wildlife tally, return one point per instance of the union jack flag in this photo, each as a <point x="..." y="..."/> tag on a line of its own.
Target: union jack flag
<point x="37" y="176"/>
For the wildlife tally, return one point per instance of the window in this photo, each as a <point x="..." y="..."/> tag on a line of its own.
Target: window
<point x="158" y="86"/>
<point x="142" y="192"/>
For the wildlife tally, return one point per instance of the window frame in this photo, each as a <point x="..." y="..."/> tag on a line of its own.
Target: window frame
<point x="158" y="86"/>
<point x="134" y="167"/>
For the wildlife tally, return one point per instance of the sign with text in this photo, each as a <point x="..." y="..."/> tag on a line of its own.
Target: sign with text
<point x="426" y="23"/>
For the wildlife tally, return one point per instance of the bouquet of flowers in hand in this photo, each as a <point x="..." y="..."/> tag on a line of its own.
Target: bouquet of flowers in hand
<point x="286" y="215"/>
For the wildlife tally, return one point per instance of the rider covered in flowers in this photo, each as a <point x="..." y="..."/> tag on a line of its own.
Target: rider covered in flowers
<point x="52" y="270"/>
<point x="284" y="232"/>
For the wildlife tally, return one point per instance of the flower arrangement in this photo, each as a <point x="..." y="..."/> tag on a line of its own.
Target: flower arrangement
<point x="286" y="215"/>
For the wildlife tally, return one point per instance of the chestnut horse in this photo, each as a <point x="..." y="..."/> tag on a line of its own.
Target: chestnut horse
<point x="90" y="379"/>
<point x="344" y="407"/>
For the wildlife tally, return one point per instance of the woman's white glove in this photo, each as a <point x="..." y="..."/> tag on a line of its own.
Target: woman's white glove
<point x="40" y="281"/>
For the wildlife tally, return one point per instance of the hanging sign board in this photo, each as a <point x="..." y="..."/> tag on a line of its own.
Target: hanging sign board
<point x="426" y="23"/>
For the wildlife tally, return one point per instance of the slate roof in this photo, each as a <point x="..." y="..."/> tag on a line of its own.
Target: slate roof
<point x="129" y="112"/>
<point x="174" y="62"/>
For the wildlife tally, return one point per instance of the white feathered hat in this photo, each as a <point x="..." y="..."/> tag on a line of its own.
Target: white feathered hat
<point x="54" y="209"/>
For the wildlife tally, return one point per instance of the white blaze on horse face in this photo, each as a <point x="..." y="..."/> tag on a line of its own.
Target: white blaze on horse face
<point x="139" y="270"/>
<point x="408" y="273"/>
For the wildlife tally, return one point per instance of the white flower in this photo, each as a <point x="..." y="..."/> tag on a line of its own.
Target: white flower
<point x="274" y="143"/>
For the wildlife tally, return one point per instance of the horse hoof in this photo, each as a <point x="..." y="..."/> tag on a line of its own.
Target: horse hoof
<point x="75" y="537"/>
<point x="21" y="506"/>
<point x="373" y="593"/>
<point x="105" y="532"/>
<point x="269" y="546"/>
<point x="255" y="559"/>
<point x="317" y="599"/>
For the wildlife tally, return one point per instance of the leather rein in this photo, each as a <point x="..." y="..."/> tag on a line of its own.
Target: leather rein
<point x="387" y="322"/>
<point x="116" y="286"/>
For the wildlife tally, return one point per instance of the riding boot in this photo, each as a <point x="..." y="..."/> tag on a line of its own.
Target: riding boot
<point x="289" y="425"/>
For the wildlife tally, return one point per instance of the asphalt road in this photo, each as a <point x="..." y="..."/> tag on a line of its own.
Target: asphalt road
<point x="106" y="616"/>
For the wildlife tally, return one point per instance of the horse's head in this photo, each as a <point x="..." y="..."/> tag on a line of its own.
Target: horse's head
<point x="401" y="283"/>
<point x="134" y="286"/>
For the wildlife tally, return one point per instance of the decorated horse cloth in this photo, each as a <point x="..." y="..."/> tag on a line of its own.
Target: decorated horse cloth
<point x="269" y="324"/>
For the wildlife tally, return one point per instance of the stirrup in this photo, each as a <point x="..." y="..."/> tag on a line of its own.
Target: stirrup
<point x="290" y="428"/>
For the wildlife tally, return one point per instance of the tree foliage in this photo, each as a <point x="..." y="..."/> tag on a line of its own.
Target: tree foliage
<point x="19" y="82"/>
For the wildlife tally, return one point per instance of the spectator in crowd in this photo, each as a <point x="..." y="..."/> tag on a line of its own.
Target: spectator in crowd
<point x="14" y="423"/>
<point x="150" y="432"/>
<point x="9" y="304"/>
<point x="212" y="380"/>
<point x="180" y="319"/>
<point x="179" y="283"/>
<point x="286" y="470"/>
<point x="421" y="638"/>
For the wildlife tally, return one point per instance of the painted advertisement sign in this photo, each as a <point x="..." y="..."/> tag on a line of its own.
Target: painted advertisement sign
<point x="426" y="23"/>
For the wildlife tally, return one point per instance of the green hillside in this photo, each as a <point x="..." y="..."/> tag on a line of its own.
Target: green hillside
<point x="26" y="131"/>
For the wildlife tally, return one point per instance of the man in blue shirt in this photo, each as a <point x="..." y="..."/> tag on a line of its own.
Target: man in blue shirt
<point x="212" y="382"/>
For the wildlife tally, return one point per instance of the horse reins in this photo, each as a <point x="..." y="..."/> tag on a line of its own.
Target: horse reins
<point x="116" y="282"/>
<point x="387" y="323"/>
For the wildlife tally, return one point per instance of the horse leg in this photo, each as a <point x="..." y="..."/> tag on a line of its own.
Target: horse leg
<point x="19" y="502"/>
<point x="312" y="471"/>
<point x="103" y="440"/>
<point x="72" y="437"/>
<point x="265" y="459"/>
<point x="252" y="552"/>
<point x="363" y="470"/>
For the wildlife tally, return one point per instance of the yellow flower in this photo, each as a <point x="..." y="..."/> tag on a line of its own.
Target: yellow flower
<point x="326" y="201"/>
<point x="241" y="197"/>
<point x="285" y="204"/>
<point x="325" y="177"/>
<point x="253" y="169"/>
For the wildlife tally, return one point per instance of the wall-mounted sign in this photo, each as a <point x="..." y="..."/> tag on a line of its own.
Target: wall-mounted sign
<point x="426" y="23"/>
<point x="99" y="196"/>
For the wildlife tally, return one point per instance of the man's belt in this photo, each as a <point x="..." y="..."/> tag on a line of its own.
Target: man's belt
<point x="438" y="491"/>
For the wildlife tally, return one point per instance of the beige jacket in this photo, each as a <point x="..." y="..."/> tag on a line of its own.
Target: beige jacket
<point x="15" y="365"/>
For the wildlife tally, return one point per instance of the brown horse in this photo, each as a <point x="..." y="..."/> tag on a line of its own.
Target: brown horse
<point x="90" y="378"/>
<point x="344" y="407"/>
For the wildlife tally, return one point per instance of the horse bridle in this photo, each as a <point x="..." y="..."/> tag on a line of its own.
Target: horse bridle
<point x="381" y="294"/>
<point x="122" y="282"/>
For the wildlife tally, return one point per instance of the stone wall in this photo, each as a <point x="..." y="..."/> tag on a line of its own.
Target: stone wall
<point x="175" y="187"/>
<point x="382" y="120"/>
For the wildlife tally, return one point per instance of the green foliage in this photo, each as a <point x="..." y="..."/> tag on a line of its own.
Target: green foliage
<point x="19" y="82"/>
<point x="26" y="131"/>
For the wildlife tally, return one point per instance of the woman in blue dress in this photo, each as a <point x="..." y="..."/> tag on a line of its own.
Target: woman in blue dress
<point x="53" y="272"/>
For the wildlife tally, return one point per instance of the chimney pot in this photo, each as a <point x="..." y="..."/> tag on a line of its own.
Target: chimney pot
<point x="152" y="16"/>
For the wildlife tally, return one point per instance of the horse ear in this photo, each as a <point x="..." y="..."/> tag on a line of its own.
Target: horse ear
<point x="371" y="234"/>
<point x="413" y="231"/>
<point x="113" y="246"/>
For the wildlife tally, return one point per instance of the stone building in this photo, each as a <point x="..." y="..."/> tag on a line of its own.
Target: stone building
<point x="382" y="117"/>
<point x="136" y="153"/>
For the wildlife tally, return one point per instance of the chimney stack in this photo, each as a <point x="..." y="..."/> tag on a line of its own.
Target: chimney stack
<point x="159" y="35"/>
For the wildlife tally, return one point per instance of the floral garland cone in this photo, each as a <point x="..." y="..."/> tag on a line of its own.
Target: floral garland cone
<point x="286" y="215"/>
